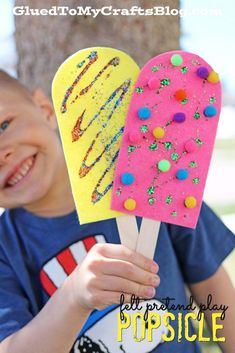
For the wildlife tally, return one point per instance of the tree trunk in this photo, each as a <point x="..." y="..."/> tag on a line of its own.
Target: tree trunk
<point x="44" y="42"/>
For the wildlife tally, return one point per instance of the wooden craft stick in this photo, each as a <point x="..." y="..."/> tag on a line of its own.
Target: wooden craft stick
<point x="128" y="231"/>
<point x="148" y="237"/>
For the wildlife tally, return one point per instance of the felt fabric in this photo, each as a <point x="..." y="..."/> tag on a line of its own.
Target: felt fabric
<point x="37" y="254"/>
<point x="91" y="93"/>
<point x="187" y="107"/>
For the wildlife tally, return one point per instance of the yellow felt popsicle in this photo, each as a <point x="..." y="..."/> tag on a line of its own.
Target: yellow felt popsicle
<point x="91" y="93"/>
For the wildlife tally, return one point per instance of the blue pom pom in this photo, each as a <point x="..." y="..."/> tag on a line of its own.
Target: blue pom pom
<point x="210" y="111"/>
<point x="127" y="178"/>
<point x="182" y="174"/>
<point x="144" y="113"/>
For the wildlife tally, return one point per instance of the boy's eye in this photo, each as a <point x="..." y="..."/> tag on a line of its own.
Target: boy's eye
<point x="4" y="125"/>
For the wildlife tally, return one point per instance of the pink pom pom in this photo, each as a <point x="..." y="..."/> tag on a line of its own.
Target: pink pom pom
<point x="153" y="83"/>
<point x="190" y="146"/>
<point x="134" y="137"/>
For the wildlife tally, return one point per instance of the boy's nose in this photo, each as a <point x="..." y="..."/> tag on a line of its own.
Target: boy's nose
<point x="5" y="155"/>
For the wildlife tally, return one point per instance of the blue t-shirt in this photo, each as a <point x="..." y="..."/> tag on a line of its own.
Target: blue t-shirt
<point x="37" y="254"/>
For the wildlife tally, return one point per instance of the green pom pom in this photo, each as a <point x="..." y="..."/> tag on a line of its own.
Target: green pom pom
<point x="176" y="60"/>
<point x="164" y="165"/>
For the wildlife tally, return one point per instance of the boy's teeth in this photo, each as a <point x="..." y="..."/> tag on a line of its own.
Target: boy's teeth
<point x="23" y="171"/>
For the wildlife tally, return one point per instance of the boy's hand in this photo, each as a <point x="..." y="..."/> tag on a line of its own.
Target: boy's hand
<point x="110" y="270"/>
<point x="107" y="271"/>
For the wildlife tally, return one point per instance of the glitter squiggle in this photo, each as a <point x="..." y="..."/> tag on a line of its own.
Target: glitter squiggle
<point x="84" y="169"/>
<point x="96" y="194"/>
<point x="113" y="62"/>
<point x="80" y="127"/>
<point x="92" y="58"/>
<point x="78" y="131"/>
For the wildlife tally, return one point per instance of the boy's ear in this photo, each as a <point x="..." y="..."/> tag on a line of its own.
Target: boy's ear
<point x="44" y="103"/>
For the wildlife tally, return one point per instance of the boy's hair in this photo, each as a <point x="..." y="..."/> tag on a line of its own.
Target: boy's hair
<point x="11" y="83"/>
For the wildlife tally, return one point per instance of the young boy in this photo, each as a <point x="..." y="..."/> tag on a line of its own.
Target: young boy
<point x="45" y="298"/>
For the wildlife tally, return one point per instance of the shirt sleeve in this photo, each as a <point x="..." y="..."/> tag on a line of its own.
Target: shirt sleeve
<point x="201" y="251"/>
<point x="14" y="306"/>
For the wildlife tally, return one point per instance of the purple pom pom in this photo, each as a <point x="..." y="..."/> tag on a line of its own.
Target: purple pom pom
<point x="179" y="117"/>
<point x="202" y="72"/>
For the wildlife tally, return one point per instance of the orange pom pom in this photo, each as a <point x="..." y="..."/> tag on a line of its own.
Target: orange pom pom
<point x="180" y="95"/>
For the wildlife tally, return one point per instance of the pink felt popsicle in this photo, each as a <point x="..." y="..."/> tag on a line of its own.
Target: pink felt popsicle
<point x="168" y="140"/>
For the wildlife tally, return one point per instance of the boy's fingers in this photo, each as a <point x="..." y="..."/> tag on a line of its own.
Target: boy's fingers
<point x="110" y="297"/>
<point x="129" y="271"/>
<point x="121" y="284"/>
<point x="117" y="251"/>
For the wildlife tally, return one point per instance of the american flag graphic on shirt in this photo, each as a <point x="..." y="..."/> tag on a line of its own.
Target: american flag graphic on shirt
<point x="55" y="271"/>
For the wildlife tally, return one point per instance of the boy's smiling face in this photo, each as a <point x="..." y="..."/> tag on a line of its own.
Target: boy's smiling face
<point x="31" y="157"/>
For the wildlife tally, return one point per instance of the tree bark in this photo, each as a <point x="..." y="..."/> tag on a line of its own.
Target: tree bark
<point x="44" y="42"/>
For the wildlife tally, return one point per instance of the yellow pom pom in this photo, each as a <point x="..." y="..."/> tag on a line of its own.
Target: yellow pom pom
<point x="130" y="204"/>
<point x="190" y="202"/>
<point x="213" y="77"/>
<point x="158" y="132"/>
